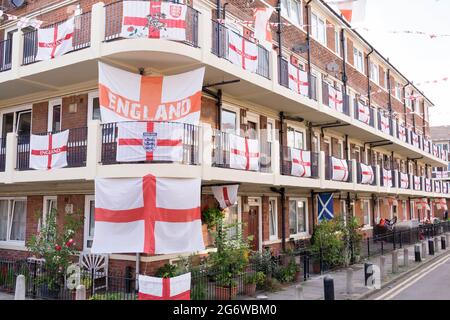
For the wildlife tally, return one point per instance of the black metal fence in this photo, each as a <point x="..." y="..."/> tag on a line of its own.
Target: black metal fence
<point x="114" y="15"/>
<point x="287" y="162"/>
<point x="5" y="54"/>
<point x="76" y="149"/>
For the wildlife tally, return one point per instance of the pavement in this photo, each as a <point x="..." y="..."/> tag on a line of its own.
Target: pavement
<point x="6" y="296"/>
<point x="313" y="287"/>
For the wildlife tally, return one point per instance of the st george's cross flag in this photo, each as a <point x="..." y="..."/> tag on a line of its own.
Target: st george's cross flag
<point x="428" y="185"/>
<point x="226" y="195"/>
<point x="263" y="32"/>
<point x="244" y="153"/>
<point x="387" y="178"/>
<point x="335" y="100"/>
<point x="415" y="139"/>
<point x="384" y="124"/>
<point x="417" y="183"/>
<point x="339" y="169"/>
<point x="367" y="175"/>
<point x="55" y="41"/>
<point x="49" y="151"/>
<point x="126" y="96"/>
<point x="437" y="186"/>
<point x="402" y="132"/>
<point x="444" y="187"/>
<point x="242" y="52"/>
<point x="300" y="163"/>
<point x="426" y="145"/>
<point x="298" y="80"/>
<point x="154" y="19"/>
<point x="325" y="206"/>
<point x="363" y="112"/>
<point x="404" y="180"/>
<point x="176" y="288"/>
<point x="149" y="141"/>
<point x="441" y="204"/>
<point x="423" y="204"/>
<point x="435" y="151"/>
<point x="147" y="215"/>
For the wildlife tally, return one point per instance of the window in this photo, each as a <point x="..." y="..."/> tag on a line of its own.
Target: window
<point x="12" y="220"/>
<point x="295" y="138"/>
<point x="297" y="217"/>
<point x="94" y="106"/>
<point x="50" y="203"/>
<point x="313" y="87"/>
<point x="337" y="42"/>
<point x="273" y="219"/>
<point x="232" y="216"/>
<point x="398" y="91"/>
<point x="229" y="121"/>
<point x="54" y="116"/>
<point x="405" y="213"/>
<point x="293" y="10"/>
<point x="413" y="209"/>
<point x="394" y="211"/>
<point x="358" y="60"/>
<point x="270" y="130"/>
<point x="318" y="28"/>
<point x="340" y="150"/>
<point x="366" y="212"/>
<point x="89" y="221"/>
<point x="374" y="73"/>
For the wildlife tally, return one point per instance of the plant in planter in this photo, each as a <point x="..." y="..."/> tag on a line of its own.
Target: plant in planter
<point x="353" y="238"/>
<point x="250" y="284"/>
<point x="212" y="216"/>
<point x="264" y="262"/>
<point x="167" y="271"/>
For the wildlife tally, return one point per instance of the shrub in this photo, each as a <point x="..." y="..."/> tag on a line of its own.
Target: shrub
<point x="198" y="291"/>
<point x="328" y="241"/>
<point x="212" y="216"/>
<point x="167" y="271"/>
<point x="271" y="285"/>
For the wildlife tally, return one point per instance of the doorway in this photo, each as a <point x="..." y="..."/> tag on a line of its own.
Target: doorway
<point x="254" y="223"/>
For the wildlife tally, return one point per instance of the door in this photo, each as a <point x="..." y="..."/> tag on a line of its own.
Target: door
<point x="253" y="227"/>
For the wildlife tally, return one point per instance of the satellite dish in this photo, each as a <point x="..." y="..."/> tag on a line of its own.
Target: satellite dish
<point x="332" y="67"/>
<point x="300" y="48"/>
<point x="17" y="3"/>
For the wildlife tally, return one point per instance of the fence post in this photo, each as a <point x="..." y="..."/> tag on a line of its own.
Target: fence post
<point x="349" y="281"/>
<point x="436" y="244"/>
<point x="405" y="257"/>
<point x="19" y="293"/>
<point x="128" y="279"/>
<point x="417" y="253"/>
<point x="368" y="247"/>
<point x="328" y="288"/>
<point x="394" y="261"/>
<point x="34" y="278"/>
<point x="431" y="247"/>
<point x="80" y="293"/>
<point x="443" y="244"/>
<point x="299" y="292"/>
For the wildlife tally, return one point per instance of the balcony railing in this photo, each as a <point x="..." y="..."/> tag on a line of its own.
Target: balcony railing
<point x="326" y="98"/>
<point x="329" y="169"/>
<point x="220" y="47"/>
<point x="368" y="119"/>
<point x="81" y="37"/>
<point x="223" y="153"/>
<point x="392" y="178"/>
<point x="5" y="54"/>
<point x="417" y="183"/>
<point x="406" y="177"/>
<point x="360" y="172"/>
<point x="441" y="174"/>
<point x="190" y="144"/>
<point x="76" y="149"/>
<point x="2" y="154"/>
<point x="287" y="162"/>
<point x="114" y="15"/>
<point x="387" y="121"/>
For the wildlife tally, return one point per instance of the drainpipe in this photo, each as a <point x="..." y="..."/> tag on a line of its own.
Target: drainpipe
<point x="374" y="201"/>
<point x="279" y="39"/>
<point x="404" y="101"/>
<point x="282" y="193"/>
<point x="346" y="147"/>
<point x="218" y="9"/>
<point x="344" y="68"/>
<point x="368" y="76"/>
<point x="413" y="107"/>
<point x="389" y="92"/>
<point x="308" y="43"/>
<point x="224" y="10"/>
<point x="281" y="139"/>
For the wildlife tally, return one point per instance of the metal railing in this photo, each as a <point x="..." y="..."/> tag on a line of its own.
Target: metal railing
<point x="2" y="154"/>
<point x="220" y="47"/>
<point x="114" y="15"/>
<point x="393" y="175"/>
<point x="81" y="37"/>
<point x="76" y="149"/>
<point x="5" y="55"/>
<point x="329" y="169"/>
<point x="286" y="162"/>
<point x="371" y="114"/>
<point x="417" y="183"/>
<point x="400" y="180"/>
<point x="359" y="174"/>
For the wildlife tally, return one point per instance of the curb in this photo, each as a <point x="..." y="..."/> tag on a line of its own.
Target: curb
<point x="405" y="274"/>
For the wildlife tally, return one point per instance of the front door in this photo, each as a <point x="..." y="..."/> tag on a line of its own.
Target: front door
<point x="253" y="227"/>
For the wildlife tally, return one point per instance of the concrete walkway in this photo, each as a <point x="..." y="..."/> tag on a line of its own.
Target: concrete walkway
<point x="313" y="287"/>
<point x="6" y="296"/>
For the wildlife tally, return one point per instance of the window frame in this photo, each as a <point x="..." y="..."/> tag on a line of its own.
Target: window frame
<point x="43" y="219"/>
<point x="235" y="110"/>
<point x="10" y="218"/>
<point x="287" y="12"/>
<point x="315" y="27"/>
<point x="358" y="53"/>
<point x="51" y="105"/>
<point x="87" y="206"/>
<point x="274" y="236"/>
<point x="303" y="233"/>
<point x="364" y="202"/>
<point x="294" y="128"/>
<point x="337" y="42"/>
<point x="91" y="96"/>
<point x="374" y="76"/>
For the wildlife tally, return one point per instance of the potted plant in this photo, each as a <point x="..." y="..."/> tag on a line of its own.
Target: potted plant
<point x="250" y="284"/>
<point x="226" y="286"/>
<point x="212" y="216"/>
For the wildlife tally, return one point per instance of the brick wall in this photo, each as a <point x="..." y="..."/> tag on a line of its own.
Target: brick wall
<point x="209" y="112"/>
<point x="40" y="117"/>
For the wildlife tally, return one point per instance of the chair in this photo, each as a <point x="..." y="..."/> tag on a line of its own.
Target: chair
<point x="97" y="266"/>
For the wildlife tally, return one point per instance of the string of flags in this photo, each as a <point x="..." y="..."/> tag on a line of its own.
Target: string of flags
<point x="23" y="22"/>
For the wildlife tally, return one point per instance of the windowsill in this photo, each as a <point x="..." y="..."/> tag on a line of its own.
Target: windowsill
<point x="13" y="245"/>
<point x="366" y="227"/>
<point x="299" y="236"/>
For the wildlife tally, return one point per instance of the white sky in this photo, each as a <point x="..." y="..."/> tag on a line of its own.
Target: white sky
<point x="418" y="57"/>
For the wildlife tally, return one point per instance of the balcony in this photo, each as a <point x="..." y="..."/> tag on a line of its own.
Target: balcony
<point x="366" y="174"/>
<point x="5" y="54"/>
<point x="364" y="113"/>
<point x="299" y="163"/>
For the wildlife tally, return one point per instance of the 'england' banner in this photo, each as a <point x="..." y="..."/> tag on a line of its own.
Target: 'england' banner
<point x="49" y="151"/>
<point x="176" y="288"/>
<point x="126" y="96"/>
<point x="298" y="80"/>
<point x="367" y="175"/>
<point x="441" y="204"/>
<point x="301" y="163"/>
<point x="437" y="187"/>
<point x="226" y="195"/>
<point x="428" y="185"/>
<point x="363" y="112"/>
<point x="242" y="52"/>
<point x="335" y="99"/>
<point x="415" y="139"/>
<point x="55" y="41"/>
<point x="154" y="19"/>
<point x="402" y="133"/>
<point x="404" y="180"/>
<point x="151" y="215"/>
<point x="263" y="33"/>
<point x="384" y="124"/>
<point x="417" y="183"/>
<point x="244" y="153"/>
<point x="387" y="178"/>
<point x="339" y="169"/>
<point x="149" y="141"/>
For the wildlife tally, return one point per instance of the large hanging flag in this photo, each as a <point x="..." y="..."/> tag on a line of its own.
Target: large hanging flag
<point x="441" y="204"/>
<point x="263" y="32"/>
<point x="126" y="96"/>
<point x="339" y="169"/>
<point x="154" y="19"/>
<point x="226" y="195"/>
<point x="49" y="151"/>
<point x="151" y="215"/>
<point x="384" y="124"/>
<point x="415" y="139"/>
<point x="428" y="185"/>
<point x="354" y="11"/>
<point x="244" y="153"/>
<point x="325" y="206"/>
<point x="242" y="52"/>
<point x="335" y="99"/>
<point x="402" y="132"/>
<point x="300" y="163"/>
<point x="387" y="178"/>
<point x="298" y="80"/>
<point x="417" y="183"/>
<point x="435" y="151"/>
<point x="363" y="112"/>
<point x="367" y="175"/>
<point x="149" y="141"/>
<point x="437" y="186"/>
<point x="423" y="204"/>
<point x="444" y="187"/>
<point x="55" y="41"/>
<point x="176" y="288"/>
<point x="404" y="180"/>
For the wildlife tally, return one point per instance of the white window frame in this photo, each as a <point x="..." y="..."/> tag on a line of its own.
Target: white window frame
<point x="87" y="207"/>
<point x="271" y="133"/>
<point x="369" y="207"/>
<point x="287" y="12"/>
<point x="91" y="96"/>
<point x="398" y="91"/>
<point x="337" y="42"/>
<point x="16" y="110"/>
<point x="341" y="147"/>
<point x="237" y="111"/>
<point x="253" y="117"/>
<point x="51" y="104"/>
<point x="43" y="220"/>
<point x="11" y="201"/>
<point x="405" y="211"/>
<point x="374" y="72"/>
<point x="275" y="236"/>
<point x="358" y="53"/>
<point x="315" y="19"/>
<point x="306" y="232"/>
<point x="299" y="129"/>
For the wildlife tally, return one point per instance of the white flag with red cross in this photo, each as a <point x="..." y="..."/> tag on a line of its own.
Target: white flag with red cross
<point x="363" y="112"/>
<point x="154" y="19"/>
<point x="387" y="178"/>
<point x="55" y="41"/>
<point x="149" y="141"/>
<point x="226" y="195"/>
<point x="353" y="10"/>
<point x="435" y="151"/>
<point x="298" y="80"/>
<point x="300" y="163"/>
<point x="49" y="151"/>
<point x="415" y="139"/>
<point x="428" y="185"/>
<point x="426" y="145"/>
<point x="244" y="153"/>
<point x="335" y="99"/>
<point x="402" y="132"/>
<point x="126" y="96"/>
<point x="339" y="169"/>
<point x="417" y="183"/>
<point x="441" y="204"/>
<point x="263" y="32"/>
<point x="423" y="204"/>
<point x="384" y="124"/>
<point x="367" y="175"/>
<point x="242" y="52"/>
<point x="151" y="215"/>
<point x="176" y="288"/>
<point x="404" y="180"/>
<point x="437" y="186"/>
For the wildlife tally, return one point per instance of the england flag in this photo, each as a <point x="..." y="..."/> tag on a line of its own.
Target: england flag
<point x="55" y="41"/>
<point x="49" y="151"/>
<point x="176" y="288"/>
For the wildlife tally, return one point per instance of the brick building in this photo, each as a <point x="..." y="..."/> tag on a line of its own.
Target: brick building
<point x="44" y="96"/>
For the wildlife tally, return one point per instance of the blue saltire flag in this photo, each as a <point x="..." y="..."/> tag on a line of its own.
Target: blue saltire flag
<point x="325" y="206"/>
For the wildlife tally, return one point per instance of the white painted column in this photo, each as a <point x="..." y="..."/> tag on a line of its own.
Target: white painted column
<point x="204" y="29"/>
<point x="275" y="158"/>
<point x="98" y="19"/>
<point x="17" y="50"/>
<point x="94" y="148"/>
<point x="322" y="168"/>
<point x="354" y="174"/>
<point x="11" y="157"/>
<point x="205" y="149"/>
